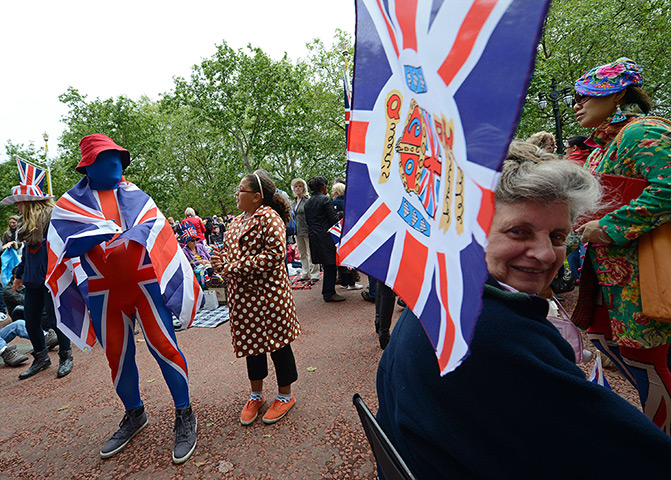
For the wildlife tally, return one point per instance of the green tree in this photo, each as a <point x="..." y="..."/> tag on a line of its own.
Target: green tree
<point x="271" y="114"/>
<point x="134" y="125"/>
<point x="581" y="34"/>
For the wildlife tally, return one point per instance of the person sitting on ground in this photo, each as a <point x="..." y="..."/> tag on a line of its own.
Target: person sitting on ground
<point x="576" y="150"/>
<point x="543" y="140"/>
<point x="196" y="252"/>
<point x="14" y="299"/>
<point x="10" y="355"/>
<point x="486" y="419"/>
<point x="217" y="235"/>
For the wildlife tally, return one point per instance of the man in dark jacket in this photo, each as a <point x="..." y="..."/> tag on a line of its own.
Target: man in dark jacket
<point x="320" y="216"/>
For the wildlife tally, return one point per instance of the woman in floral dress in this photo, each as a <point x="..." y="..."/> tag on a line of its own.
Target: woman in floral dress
<point x="609" y="99"/>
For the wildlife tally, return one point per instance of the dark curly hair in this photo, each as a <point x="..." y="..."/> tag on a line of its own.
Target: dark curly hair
<point x="271" y="196"/>
<point x="315" y="184"/>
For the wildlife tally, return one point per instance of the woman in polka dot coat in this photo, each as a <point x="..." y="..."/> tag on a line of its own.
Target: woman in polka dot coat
<point x="260" y="300"/>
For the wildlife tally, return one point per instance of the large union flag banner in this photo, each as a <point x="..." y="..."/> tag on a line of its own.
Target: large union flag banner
<point x="437" y="92"/>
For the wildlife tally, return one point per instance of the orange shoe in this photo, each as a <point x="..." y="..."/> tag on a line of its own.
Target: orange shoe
<point x="251" y="410"/>
<point x="278" y="409"/>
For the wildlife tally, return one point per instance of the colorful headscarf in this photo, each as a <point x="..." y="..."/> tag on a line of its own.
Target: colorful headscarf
<point x="610" y="78"/>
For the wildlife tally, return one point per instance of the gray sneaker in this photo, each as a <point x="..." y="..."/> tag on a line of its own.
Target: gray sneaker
<point x="132" y="423"/>
<point x="185" y="434"/>
<point x="50" y="339"/>
<point x="12" y="357"/>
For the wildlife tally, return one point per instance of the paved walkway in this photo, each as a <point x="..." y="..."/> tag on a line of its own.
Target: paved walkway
<point x="54" y="428"/>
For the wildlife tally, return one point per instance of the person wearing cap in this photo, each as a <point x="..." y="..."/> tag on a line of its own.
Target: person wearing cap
<point x="195" y="252"/>
<point x="124" y="245"/>
<point x="36" y="208"/>
<point x="609" y="99"/>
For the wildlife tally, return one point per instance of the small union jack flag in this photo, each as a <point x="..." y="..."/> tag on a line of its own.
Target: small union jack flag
<point x="597" y="376"/>
<point x="336" y="232"/>
<point x="437" y="91"/>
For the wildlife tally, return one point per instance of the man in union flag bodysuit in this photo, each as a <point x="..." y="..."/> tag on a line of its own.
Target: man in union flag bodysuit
<point x="113" y="255"/>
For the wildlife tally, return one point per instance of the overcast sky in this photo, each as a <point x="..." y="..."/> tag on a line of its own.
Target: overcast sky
<point x="134" y="48"/>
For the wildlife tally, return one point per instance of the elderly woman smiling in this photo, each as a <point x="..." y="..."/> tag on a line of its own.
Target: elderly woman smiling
<point x="518" y="406"/>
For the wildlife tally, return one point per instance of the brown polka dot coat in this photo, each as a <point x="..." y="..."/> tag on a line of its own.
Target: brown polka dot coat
<point x="260" y="300"/>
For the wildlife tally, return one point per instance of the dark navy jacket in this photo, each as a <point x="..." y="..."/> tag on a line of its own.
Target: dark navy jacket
<point x="518" y="406"/>
<point x="33" y="267"/>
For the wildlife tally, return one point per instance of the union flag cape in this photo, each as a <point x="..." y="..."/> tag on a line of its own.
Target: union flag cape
<point x="78" y="215"/>
<point x="437" y="92"/>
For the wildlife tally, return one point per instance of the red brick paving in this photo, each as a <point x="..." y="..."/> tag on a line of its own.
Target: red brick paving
<point x="54" y="428"/>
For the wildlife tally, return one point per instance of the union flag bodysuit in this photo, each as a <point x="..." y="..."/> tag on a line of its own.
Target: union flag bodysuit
<point x="134" y="271"/>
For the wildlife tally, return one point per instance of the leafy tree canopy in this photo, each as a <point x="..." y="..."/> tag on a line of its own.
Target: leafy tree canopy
<point x="582" y="34"/>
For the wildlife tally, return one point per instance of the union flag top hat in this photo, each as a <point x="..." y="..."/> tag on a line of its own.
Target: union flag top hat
<point x="29" y="190"/>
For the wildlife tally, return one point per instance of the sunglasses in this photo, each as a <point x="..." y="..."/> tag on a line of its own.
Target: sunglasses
<point x="242" y="190"/>
<point x="580" y="99"/>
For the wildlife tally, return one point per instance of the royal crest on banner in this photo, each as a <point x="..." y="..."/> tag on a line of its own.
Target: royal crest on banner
<point x="437" y="92"/>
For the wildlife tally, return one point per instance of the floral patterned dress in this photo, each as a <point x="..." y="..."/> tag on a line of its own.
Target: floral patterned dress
<point x="260" y="300"/>
<point x="644" y="151"/>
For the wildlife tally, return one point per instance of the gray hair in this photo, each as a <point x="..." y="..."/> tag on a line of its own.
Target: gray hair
<point x="548" y="181"/>
<point x="189" y="212"/>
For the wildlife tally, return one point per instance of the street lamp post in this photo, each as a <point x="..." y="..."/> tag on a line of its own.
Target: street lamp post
<point x="554" y="95"/>
<point x="45" y="136"/>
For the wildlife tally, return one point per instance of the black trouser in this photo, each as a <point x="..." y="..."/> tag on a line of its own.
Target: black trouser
<point x="329" y="281"/>
<point x="346" y="277"/>
<point x="285" y="366"/>
<point x="36" y="300"/>
<point x="385" y="298"/>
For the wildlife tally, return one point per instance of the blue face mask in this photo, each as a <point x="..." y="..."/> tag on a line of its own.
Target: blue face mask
<point x="105" y="173"/>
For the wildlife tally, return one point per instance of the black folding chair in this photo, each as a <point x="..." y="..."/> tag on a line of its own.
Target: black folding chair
<point x="389" y="462"/>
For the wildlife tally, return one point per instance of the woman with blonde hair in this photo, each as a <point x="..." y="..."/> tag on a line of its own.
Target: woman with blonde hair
<point x="543" y="140"/>
<point x="36" y="209"/>
<point x="309" y="270"/>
